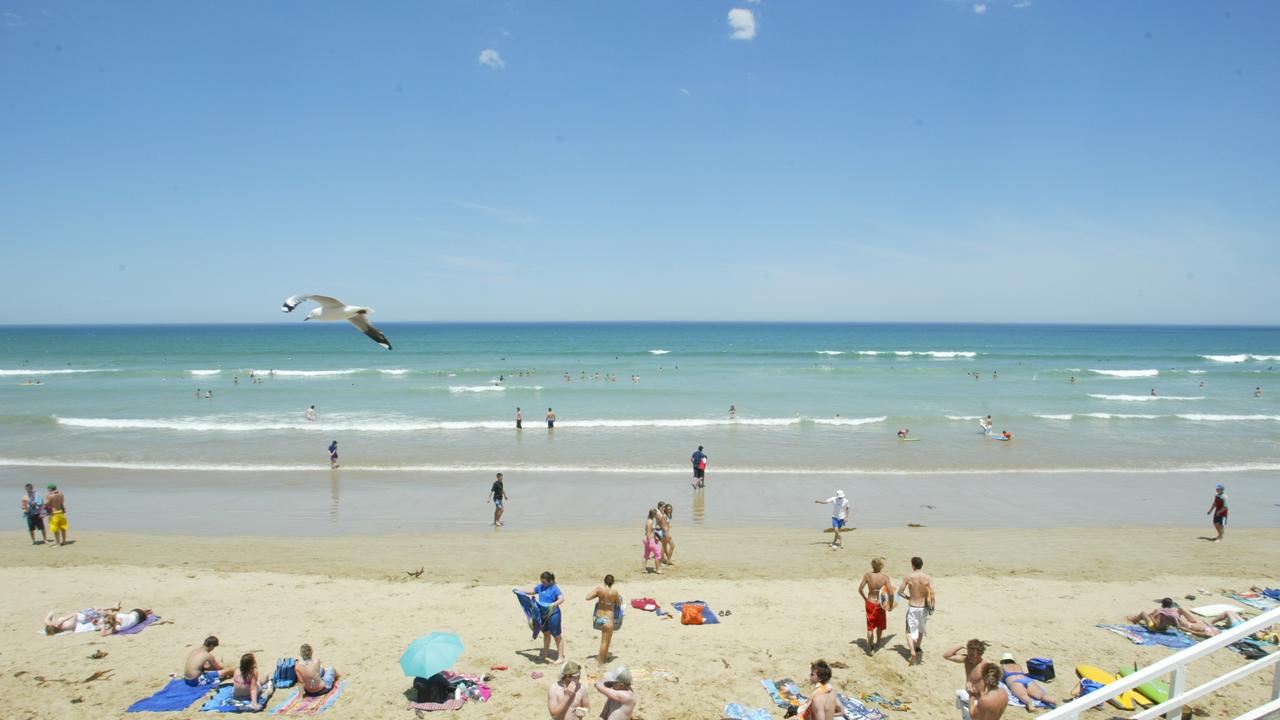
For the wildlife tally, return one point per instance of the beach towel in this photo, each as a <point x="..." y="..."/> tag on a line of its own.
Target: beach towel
<point x="299" y="703"/>
<point x="175" y="696"/>
<point x="139" y="627"/>
<point x="784" y="693"/>
<point x="734" y="711"/>
<point x="649" y="604"/>
<point x="1015" y="702"/>
<point x="1255" y="600"/>
<point x="882" y="701"/>
<point x="466" y="687"/>
<point x="1273" y="593"/>
<point x="855" y="709"/>
<point x="223" y="702"/>
<point x="708" y="615"/>
<point x="535" y="614"/>
<point x="1139" y="635"/>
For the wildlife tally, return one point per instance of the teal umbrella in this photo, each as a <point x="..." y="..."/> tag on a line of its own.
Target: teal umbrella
<point x="430" y="654"/>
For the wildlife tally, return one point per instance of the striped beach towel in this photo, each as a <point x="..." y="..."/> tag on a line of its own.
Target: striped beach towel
<point x="299" y="703"/>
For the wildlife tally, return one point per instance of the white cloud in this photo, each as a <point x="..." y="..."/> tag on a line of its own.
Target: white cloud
<point x="490" y="58"/>
<point x="743" y="22"/>
<point x="1024" y="3"/>
<point x="979" y="8"/>
<point x="685" y="92"/>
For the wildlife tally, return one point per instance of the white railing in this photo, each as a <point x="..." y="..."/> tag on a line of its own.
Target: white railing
<point x="1176" y="665"/>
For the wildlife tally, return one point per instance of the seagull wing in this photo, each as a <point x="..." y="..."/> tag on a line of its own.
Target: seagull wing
<point x="362" y="322"/>
<point x="323" y="300"/>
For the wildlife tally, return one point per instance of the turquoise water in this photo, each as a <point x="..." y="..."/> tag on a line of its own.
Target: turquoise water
<point x="822" y="398"/>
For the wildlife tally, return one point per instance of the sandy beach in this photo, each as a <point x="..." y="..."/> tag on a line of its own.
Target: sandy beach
<point x="1030" y="592"/>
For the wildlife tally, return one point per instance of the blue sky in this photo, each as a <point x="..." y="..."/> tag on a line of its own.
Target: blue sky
<point x="910" y="160"/>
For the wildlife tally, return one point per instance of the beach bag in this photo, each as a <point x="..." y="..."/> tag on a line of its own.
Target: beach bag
<point x="434" y="689"/>
<point x="286" y="674"/>
<point x="691" y="614"/>
<point x="1041" y="669"/>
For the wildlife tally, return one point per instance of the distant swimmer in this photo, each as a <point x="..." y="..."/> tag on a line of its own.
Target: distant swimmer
<point x="986" y="424"/>
<point x="733" y="412"/>
<point x="551" y="419"/>
<point x="208" y="394"/>
<point x="311" y="413"/>
<point x="1006" y="435"/>
<point x="903" y="433"/>
<point x="333" y="454"/>
<point x="197" y="393"/>
<point x="1072" y="380"/>
<point x="519" y="419"/>
<point x="1153" y="392"/>
<point x="1257" y="392"/>
<point x="995" y="375"/>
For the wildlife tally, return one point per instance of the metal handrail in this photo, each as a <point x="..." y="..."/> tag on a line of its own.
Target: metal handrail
<point x="1177" y="664"/>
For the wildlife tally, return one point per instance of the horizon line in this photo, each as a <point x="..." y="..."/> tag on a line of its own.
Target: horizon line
<point x="955" y="323"/>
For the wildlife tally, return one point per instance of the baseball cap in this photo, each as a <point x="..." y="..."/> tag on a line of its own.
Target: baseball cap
<point x="570" y="668"/>
<point x="51" y="486"/>
<point x="1007" y="657"/>
<point x="621" y="674"/>
<point x="1221" y="486"/>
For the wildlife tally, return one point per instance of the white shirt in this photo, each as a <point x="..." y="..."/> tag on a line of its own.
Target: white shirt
<point x="839" y="507"/>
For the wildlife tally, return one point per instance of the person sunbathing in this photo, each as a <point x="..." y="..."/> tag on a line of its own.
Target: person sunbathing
<point x="312" y="675"/>
<point x="83" y="621"/>
<point x="1023" y="686"/>
<point x="1162" y="619"/>
<point x="1208" y="627"/>
<point x="114" y="622"/>
<point x="245" y="685"/>
<point x="202" y="668"/>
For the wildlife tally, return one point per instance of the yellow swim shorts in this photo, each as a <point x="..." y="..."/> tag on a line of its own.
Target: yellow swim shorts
<point x="58" y="522"/>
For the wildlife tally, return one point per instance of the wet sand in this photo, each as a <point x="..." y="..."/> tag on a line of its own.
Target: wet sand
<point x="1031" y="592"/>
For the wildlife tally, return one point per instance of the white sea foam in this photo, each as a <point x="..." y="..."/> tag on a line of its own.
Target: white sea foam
<point x="475" y="388"/>
<point x="309" y="373"/>
<point x="948" y="354"/>
<point x="1227" y="418"/>
<point x="1197" y="372"/>
<point x="660" y="352"/>
<point x="1227" y="358"/>
<point x="869" y="352"/>
<point x="34" y="371"/>
<point x="636" y="470"/>
<point x="393" y="371"/>
<point x="964" y="417"/>
<point x="204" y="372"/>
<point x="1266" y="358"/>
<point x="1056" y="417"/>
<point x="830" y="352"/>
<point x="1121" y="416"/>
<point x="850" y="421"/>
<point x="1126" y="373"/>
<point x="902" y="353"/>
<point x="1143" y="398"/>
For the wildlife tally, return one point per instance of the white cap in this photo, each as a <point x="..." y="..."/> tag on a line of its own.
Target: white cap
<point x="839" y="493"/>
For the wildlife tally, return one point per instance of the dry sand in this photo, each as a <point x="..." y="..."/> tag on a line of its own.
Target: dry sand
<point x="1034" y="593"/>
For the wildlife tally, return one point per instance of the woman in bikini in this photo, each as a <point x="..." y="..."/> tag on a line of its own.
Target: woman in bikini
<point x="245" y="685"/>
<point x="1023" y="686"/>
<point x="607" y="616"/>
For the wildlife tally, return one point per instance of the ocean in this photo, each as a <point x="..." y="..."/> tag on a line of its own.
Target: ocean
<point x="633" y="400"/>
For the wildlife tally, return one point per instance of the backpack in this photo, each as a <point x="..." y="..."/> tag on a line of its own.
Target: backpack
<point x="691" y="614"/>
<point x="1041" y="669"/>
<point x="286" y="674"/>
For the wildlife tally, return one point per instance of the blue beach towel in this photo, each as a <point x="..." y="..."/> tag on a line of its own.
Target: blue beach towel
<point x="708" y="616"/>
<point x="1273" y="593"/>
<point x="1139" y="635"/>
<point x="223" y="702"/>
<point x="855" y="709"/>
<point x="734" y="711"/>
<point x="175" y="696"/>
<point x="535" y="614"/>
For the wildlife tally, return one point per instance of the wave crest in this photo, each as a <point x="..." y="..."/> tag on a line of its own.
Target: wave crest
<point x="1126" y="373"/>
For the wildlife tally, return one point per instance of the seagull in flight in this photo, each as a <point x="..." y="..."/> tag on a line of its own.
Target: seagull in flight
<point x="335" y="309"/>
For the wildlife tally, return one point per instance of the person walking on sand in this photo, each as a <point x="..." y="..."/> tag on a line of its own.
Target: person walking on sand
<point x="567" y="697"/>
<point x="665" y="514"/>
<point x="498" y="495"/>
<point x="650" y="542"/>
<point x="55" y="507"/>
<point x="548" y="596"/>
<point x="1219" y="509"/>
<point x="991" y="703"/>
<point x="33" y="511"/>
<point x="607" y="615"/>
<point x="876" y="590"/>
<point x="970" y="655"/>
<point x="519" y="419"/>
<point x="620" y="699"/>
<point x="333" y="454"/>
<point x="551" y="419"/>
<point x="839" y="516"/>
<point x="699" y="460"/>
<point x="662" y="531"/>
<point x="917" y="590"/>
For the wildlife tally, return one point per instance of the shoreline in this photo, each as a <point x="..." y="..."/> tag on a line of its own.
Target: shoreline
<point x="793" y="600"/>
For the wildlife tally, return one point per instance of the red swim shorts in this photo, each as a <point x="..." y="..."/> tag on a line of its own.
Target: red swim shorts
<point x="876" y="618"/>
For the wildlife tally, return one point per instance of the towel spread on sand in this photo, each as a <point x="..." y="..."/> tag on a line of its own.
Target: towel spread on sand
<point x="784" y="692"/>
<point x="1014" y="701"/>
<point x="177" y="695"/>
<point x="1255" y="600"/>
<point x="708" y="615"/>
<point x="855" y="709"/>
<point x="222" y="701"/>
<point x="734" y="711"/>
<point x="300" y="704"/>
<point x="1139" y="635"/>
<point x="139" y="627"/>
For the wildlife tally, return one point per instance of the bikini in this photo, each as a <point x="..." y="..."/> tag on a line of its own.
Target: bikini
<point x="1013" y="677"/>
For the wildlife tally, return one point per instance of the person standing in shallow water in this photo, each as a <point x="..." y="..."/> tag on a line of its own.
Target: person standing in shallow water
<point x="519" y="419"/>
<point x="333" y="454"/>
<point x="551" y="419"/>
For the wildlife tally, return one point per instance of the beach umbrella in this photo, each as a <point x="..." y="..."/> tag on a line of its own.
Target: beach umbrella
<point x="430" y="654"/>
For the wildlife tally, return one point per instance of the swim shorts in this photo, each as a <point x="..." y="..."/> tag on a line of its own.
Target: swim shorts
<point x="497" y="502"/>
<point x="916" y="618"/>
<point x="1220" y="519"/>
<point x="876" y="617"/>
<point x="552" y="624"/>
<point x="651" y="549"/>
<point x="699" y="472"/>
<point x="35" y="522"/>
<point x="58" y="522"/>
<point x="205" y="678"/>
<point x="551" y="424"/>
<point x="837" y="523"/>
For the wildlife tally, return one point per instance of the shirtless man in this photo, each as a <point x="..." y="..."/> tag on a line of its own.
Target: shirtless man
<point x="567" y="698"/>
<point x="990" y="705"/>
<point x="607" y="601"/>
<point x="821" y="704"/>
<point x="55" y="506"/>
<point x="663" y="531"/>
<point x="203" y="668"/>
<point x="551" y="419"/>
<point x="314" y="678"/>
<point x="970" y="655"/>
<point x="876" y="590"/>
<point x="620" y="699"/>
<point x="917" y="589"/>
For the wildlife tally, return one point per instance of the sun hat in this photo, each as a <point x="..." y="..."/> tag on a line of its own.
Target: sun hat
<point x="621" y="674"/>
<point x="1007" y="657"/>
<point x="1221" y="486"/>
<point x="570" y="668"/>
<point x="839" y="493"/>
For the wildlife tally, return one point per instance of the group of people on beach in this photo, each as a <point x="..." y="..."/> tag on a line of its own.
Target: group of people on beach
<point x="51" y="508"/>
<point x="202" y="667"/>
